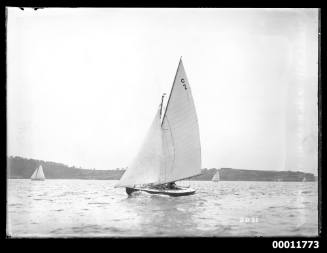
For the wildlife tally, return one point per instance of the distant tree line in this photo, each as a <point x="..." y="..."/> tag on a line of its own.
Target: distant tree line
<point x="19" y="167"/>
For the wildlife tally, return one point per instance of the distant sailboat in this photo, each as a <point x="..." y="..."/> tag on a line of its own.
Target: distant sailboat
<point x="171" y="150"/>
<point x="38" y="174"/>
<point x="216" y="177"/>
<point x="304" y="179"/>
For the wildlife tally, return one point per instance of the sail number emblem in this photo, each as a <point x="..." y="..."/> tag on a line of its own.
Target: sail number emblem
<point x="183" y="82"/>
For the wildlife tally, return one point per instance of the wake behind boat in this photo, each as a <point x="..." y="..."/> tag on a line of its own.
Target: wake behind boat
<point x="171" y="150"/>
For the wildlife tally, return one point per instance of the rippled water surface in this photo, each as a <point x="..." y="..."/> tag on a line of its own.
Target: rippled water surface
<point x="61" y="208"/>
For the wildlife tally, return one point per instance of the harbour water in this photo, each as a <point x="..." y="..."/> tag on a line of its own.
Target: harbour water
<point x="94" y="208"/>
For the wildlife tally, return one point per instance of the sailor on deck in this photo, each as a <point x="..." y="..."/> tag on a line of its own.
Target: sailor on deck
<point x="172" y="185"/>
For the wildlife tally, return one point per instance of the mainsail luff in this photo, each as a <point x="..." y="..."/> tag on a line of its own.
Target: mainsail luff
<point x="171" y="90"/>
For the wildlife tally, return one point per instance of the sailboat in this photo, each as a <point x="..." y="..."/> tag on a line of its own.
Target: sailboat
<point x="38" y="174"/>
<point x="216" y="177"/>
<point x="171" y="150"/>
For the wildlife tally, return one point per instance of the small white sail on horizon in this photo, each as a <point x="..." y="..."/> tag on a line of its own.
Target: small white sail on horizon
<point x="171" y="150"/>
<point x="216" y="177"/>
<point x="38" y="174"/>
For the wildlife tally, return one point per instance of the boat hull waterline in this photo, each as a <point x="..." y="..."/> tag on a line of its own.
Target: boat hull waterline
<point x="181" y="191"/>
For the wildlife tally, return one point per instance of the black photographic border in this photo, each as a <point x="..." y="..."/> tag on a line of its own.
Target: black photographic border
<point x="215" y="244"/>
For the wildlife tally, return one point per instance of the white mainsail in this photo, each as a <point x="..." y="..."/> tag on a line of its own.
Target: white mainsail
<point x="38" y="174"/>
<point x="171" y="150"/>
<point x="180" y="130"/>
<point x="216" y="177"/>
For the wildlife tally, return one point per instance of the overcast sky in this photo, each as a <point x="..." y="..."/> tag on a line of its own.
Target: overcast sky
<point x="83" y="85"/>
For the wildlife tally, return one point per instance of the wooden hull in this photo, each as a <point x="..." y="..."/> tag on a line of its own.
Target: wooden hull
<point x="36" y="179"/>
<point x="173" y="193"/>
